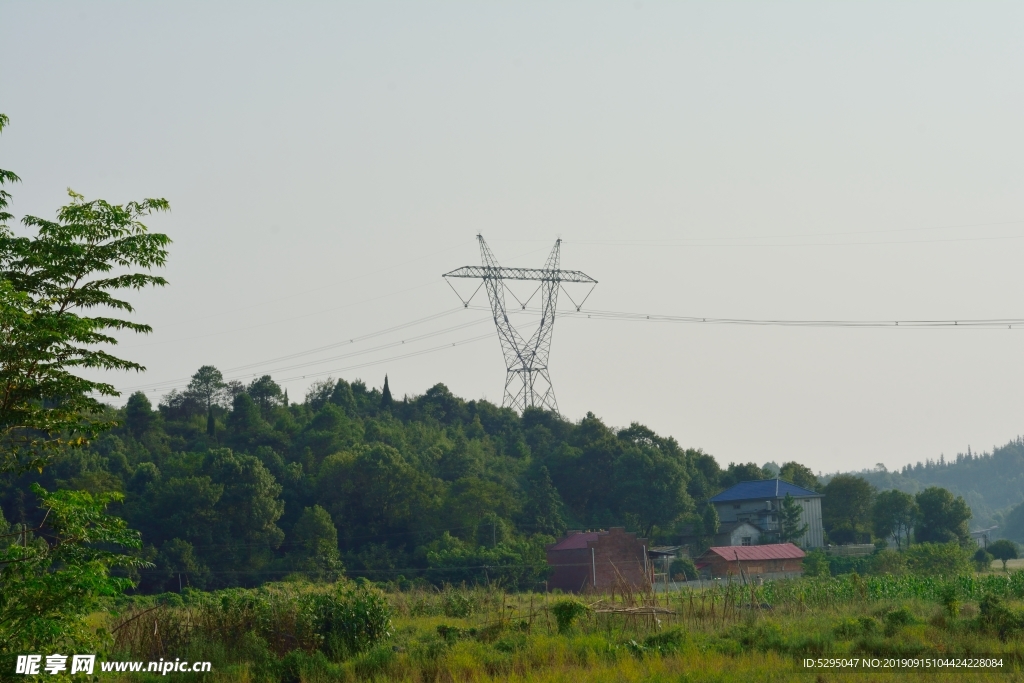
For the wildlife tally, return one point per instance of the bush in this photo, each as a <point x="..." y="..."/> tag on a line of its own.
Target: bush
<point x="982" y="560"/>
<point x="567" y="612"/>
<point x="889" y="562"/>
<point x="939" y="559"/>
<point x="816" y="563"/>
<point x="683" y="566"/>
<point x="359" y="618"/>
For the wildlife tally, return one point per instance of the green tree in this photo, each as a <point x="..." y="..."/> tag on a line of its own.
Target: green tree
<point x="138" y="414"/>
<point x="791" y="514"/>
<point x="983" y="560"/>
<point x="1003" y="550"/>
<point x="649" y="483"/>
<point x="52" y="580"/>
<point x="894" y="515"/>
<point x="266" y="393"/>
<point x="245" y="425"/>
<point x="736" y="473"/>
<point x="207" y="388"/>
<point x="47" y="281"/>
<point x="385" y="397"/>
<point x="177" y="562"/>
<point x="247" y="513"/>
<point x="846" y="508"/>
<point x="1013" y="525"/>
<point x="943" y="517"/>
<point x="798" y="474"/>
<point x="543" y="509"/>
<point x="315" y="545"/>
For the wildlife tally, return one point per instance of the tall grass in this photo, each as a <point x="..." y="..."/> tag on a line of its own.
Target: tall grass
<point x="727" y="631"/>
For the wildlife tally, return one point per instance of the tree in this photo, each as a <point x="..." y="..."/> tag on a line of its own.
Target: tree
<point x="385" y="397"/>
<point x="62" y="567"/>
<point x="801" y="475"/>
<point x="47" y="281"/>
<point x="207" y="387"/>
<point x="736" y="473"/>
<point x="1003" y="550"/>
<point x="266" y="393"/>
<point x="247" y="512"/>
<point x="943" y="517"/>
<point x="1013" y="525"/>
<point x="543" y="509"/>
<point x="52" y="580"/>
<point x="894" y="515"/>
<point x="983" y="560"/>
<point x="791" y="514"/>
<point x="138" y="414"/>
<point x="649" y="483"/>
<point x="315" y="543"/>
<point x="846" y="508"/>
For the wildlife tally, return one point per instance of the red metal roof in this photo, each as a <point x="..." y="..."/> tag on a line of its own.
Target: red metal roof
<point x="576" y="541"/>
<point x="745" y="553"/>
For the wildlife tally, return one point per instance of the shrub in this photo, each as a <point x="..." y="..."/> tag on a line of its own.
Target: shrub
<point x="816" y="563"/>
<point x="889" y="562"/>
<point x="566" y="613"/>
<point x="940" y="559"/>
<point x="897" y="619"/>
<point x="683" y="566"/>
<point x="361" y="620"/>
<point x="982" y="560"/>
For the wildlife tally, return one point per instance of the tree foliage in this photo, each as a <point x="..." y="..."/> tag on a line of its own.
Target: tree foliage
<point x="943" y="517"/>
<point x="894" y="515"/>
<point x="59" y="302"/>
<point x="846" y="508"/>
<point x="1003" y="550"/>
<point x="790" y="515"/>
<point x="54" y="574"/>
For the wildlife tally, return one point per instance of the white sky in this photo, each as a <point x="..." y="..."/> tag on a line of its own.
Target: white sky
<point x="327" y="162"/>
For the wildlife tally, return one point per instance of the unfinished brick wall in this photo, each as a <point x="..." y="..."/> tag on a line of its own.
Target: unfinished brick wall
<point x="612" y="554"/>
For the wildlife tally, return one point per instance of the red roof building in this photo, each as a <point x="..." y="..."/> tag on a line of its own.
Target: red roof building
<point x="595" y="560"/>
<point x="775" y="561"/>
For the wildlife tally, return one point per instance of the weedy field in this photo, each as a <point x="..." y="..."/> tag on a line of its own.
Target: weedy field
<point x="723" y="632"/>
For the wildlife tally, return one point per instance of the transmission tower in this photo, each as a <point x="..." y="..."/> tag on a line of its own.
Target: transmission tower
<point x="527" y="382"/>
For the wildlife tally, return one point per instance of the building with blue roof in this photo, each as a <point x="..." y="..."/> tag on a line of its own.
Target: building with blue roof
<point x="759" y="503"/>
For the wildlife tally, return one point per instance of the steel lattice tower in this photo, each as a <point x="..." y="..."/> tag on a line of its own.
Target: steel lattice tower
<point x="527" y="382"/>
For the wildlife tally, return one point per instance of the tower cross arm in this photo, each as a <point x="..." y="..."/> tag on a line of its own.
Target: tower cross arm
<point x="503" y="273"/>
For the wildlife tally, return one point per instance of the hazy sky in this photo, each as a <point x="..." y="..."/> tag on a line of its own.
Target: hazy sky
<point x="327" y="162"/>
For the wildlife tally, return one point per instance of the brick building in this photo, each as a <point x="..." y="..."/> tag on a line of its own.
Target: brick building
<point x="775" y="561"/>
<point x="593" y="560"/>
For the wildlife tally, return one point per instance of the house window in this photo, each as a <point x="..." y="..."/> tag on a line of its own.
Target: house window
<point x="736" y="507"/>
<point x="745" y="540"/>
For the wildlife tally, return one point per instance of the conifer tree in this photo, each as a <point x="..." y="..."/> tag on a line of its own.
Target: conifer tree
<point x="790" y="528"/>
<point x="544" y="506"/>
<point x="385" y="399"/>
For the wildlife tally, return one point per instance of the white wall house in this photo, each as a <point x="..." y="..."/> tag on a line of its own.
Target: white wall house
<point x="759" y="503"/>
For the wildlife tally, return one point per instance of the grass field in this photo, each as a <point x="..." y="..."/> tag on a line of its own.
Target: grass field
<point x="724" y="633"/>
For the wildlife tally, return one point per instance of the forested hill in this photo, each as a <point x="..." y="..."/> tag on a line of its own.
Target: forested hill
<point x="991" y="483"/>
<point x="234" y="485"/>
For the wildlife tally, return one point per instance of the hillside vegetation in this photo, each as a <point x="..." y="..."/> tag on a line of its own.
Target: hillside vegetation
<point x="236" y="485"/>
<point x="992" y="483"/>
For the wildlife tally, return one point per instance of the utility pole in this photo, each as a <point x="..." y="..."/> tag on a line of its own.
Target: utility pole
<point x="527" y="381"/>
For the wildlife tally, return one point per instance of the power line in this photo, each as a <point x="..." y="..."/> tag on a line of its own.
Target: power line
<point x="372" y="349"/>
<point x="680" y="241"/>
<point x="991" y="323"/>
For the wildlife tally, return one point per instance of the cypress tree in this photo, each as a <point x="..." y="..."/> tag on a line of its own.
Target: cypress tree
<point x="544" y="505"/>
<point x="385" y="399"/>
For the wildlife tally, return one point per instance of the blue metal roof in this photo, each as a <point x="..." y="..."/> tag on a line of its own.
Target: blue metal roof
<point x="765" y="489"/>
